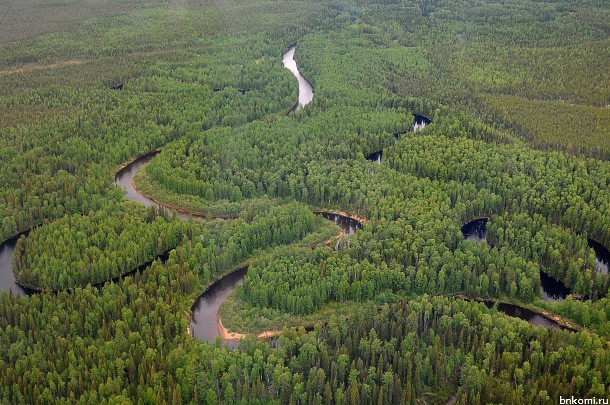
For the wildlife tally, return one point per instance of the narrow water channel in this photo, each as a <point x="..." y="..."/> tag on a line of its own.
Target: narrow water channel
<point x="602" y="256"/>
<point x="204" y="313"/>
<point x="124" y="179"/>
<point x="204" y="318"/>
<point x="552" y="289"/>
<point x="305" y="89"/>
<point x="526" y="315"/>
<point x="419" y="123"/>
<point x="7" y="278"/>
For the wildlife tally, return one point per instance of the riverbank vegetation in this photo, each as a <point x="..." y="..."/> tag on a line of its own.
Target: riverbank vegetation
<point x="518" y="96"/>
<point x="78" y="250"/>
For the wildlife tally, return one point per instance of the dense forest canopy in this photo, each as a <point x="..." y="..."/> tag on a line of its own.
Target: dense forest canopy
<point x="518" y="94"/>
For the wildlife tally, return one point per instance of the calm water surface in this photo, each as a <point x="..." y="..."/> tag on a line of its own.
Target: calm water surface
<point x="305" y="89"/>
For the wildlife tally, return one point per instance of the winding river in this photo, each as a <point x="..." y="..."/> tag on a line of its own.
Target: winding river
<point x="204" y="319"/>
<point x="551" y="288"/>
<point x="124" y="179"/>
<point x="204" y="313"/>
<point x="204" y="322"/>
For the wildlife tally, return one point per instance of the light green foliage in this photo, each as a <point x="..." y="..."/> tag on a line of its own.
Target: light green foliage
<point x="499" y="80"/>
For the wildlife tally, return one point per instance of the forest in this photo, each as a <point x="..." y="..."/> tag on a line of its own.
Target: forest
<point x="517" y="95"/>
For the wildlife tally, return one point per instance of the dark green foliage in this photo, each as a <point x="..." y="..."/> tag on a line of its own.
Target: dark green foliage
<point x="204" y="81"/>
<point x="428" y="348"/>
<point x="78" y="250"/>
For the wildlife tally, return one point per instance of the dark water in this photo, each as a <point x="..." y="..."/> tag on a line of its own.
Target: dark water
<point x="552" y="289"/>
<point x="205" y="310"/>
<point x="347" y="224"/>
<point x="123" y="179"/>
<point x="305" y="89"/>
<point x="475" y="230"/>
<point x="375" y="157"/>
<point x="7" y="278"/>
<point x="602" y="256"/>
<point x="420" y="122"/>
<point x="526" y="315"/>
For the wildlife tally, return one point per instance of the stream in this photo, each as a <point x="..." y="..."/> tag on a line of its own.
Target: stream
<point x="205" y="309"/>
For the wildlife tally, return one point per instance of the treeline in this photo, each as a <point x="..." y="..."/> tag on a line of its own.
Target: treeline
<point x="427" y="187"/>
<point x="557" y="189"/>
<point x="313" y="161"/>
<point x="78" y="250"/>
<point x="558" y="251"/>
<point x="89" y="345"/>
<point x="80" y="129"/>
<point x="228" y="243"/>
<point x="372" y="66"/>
<point x="298" y="281"/>
<point x="301" y="282"/>
<point x="427" y="349"/>
<point x="533" y="67"/>
<point x="593" y="315"/>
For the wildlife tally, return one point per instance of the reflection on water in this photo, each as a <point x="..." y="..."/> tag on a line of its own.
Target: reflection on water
<point x="526" y="315"/>
<point x="7" y="278"/>
<point x="375" y="157"/>
<point x="602" y="256"/>
<point x="552" y="289"/>
<point x="205" y="310"/>
<point x="305" y="89"/>
<point x="420" y="122"/>
<point x="475" y="230"/>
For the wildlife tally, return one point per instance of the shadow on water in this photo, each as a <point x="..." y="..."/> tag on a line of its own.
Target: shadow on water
<point x="204" y="312"/>
<point x="552" y="289"/>
<point x="475" y="229"/>
<point x="602" y="256"/>
<point x="375" y="157"/>
<point x="522" y="313"/>
<point x="348" y="225"/>
<point x="419" y="123"/>
<point x="161" y="257"/>
<point x="526" y="315"/>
